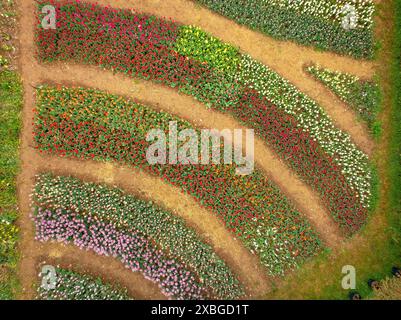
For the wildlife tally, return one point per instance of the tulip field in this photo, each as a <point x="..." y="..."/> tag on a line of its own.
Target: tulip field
<point x="100" y="78"/>
<point x="64" y="125"/>
<point x="224" y="79"/>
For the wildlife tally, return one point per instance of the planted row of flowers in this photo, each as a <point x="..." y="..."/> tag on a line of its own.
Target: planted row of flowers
<point x="362" y="96"/>
<point x="134" y="250"/>
<point x="186" y="58"/>
<point x="309" y="22"/>
<point x="90" y="124"/>
<point x="71" y="285"/>
<point x="330" y="10"/>
<point x="126" y="211"/>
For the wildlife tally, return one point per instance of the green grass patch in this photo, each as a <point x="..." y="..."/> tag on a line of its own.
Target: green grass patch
<point x="10" y="124"/>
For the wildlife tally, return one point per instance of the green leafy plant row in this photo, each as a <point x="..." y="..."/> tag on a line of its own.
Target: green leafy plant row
<point x="311" y="23"/>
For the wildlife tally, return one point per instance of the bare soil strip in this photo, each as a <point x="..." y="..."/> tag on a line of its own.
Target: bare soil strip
<point x="285" y="57"/>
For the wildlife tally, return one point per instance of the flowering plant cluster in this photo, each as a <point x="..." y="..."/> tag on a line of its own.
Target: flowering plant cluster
<point x="305" y="156"/>
<point x="346" y="181"/>
<point x="90" y="124"/>
<point x="308" y="115"/>
<point x="135" y="251"/>
<point x="362" y="96"/>
<point x="308" y="22"/>
<point x="125" y="211"/>
<point x="71" y="285"/>
<point x="109" y="44"/>
<point x="343" y="179"/>
<point x="196" y="43"/>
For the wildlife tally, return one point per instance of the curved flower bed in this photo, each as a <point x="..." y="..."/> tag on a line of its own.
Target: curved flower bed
<point x="361" y="95"/>
<point x="309" y="22"/>
<point x="134" y="250"/>
<point x="71" y="285"/>
<point x="126" y="211"/>
<point x="185" y="57"/>
<point x="90" y="124"/>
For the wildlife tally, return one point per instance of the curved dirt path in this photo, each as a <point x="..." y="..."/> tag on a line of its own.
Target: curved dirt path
<point x="285" y="57"/>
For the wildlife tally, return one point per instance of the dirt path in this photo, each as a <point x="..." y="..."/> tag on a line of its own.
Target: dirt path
<point x="285" y="57"/>
<point x="30" y="249"/>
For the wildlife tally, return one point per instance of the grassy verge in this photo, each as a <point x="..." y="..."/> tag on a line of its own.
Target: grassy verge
<point x="10" y="106"/>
